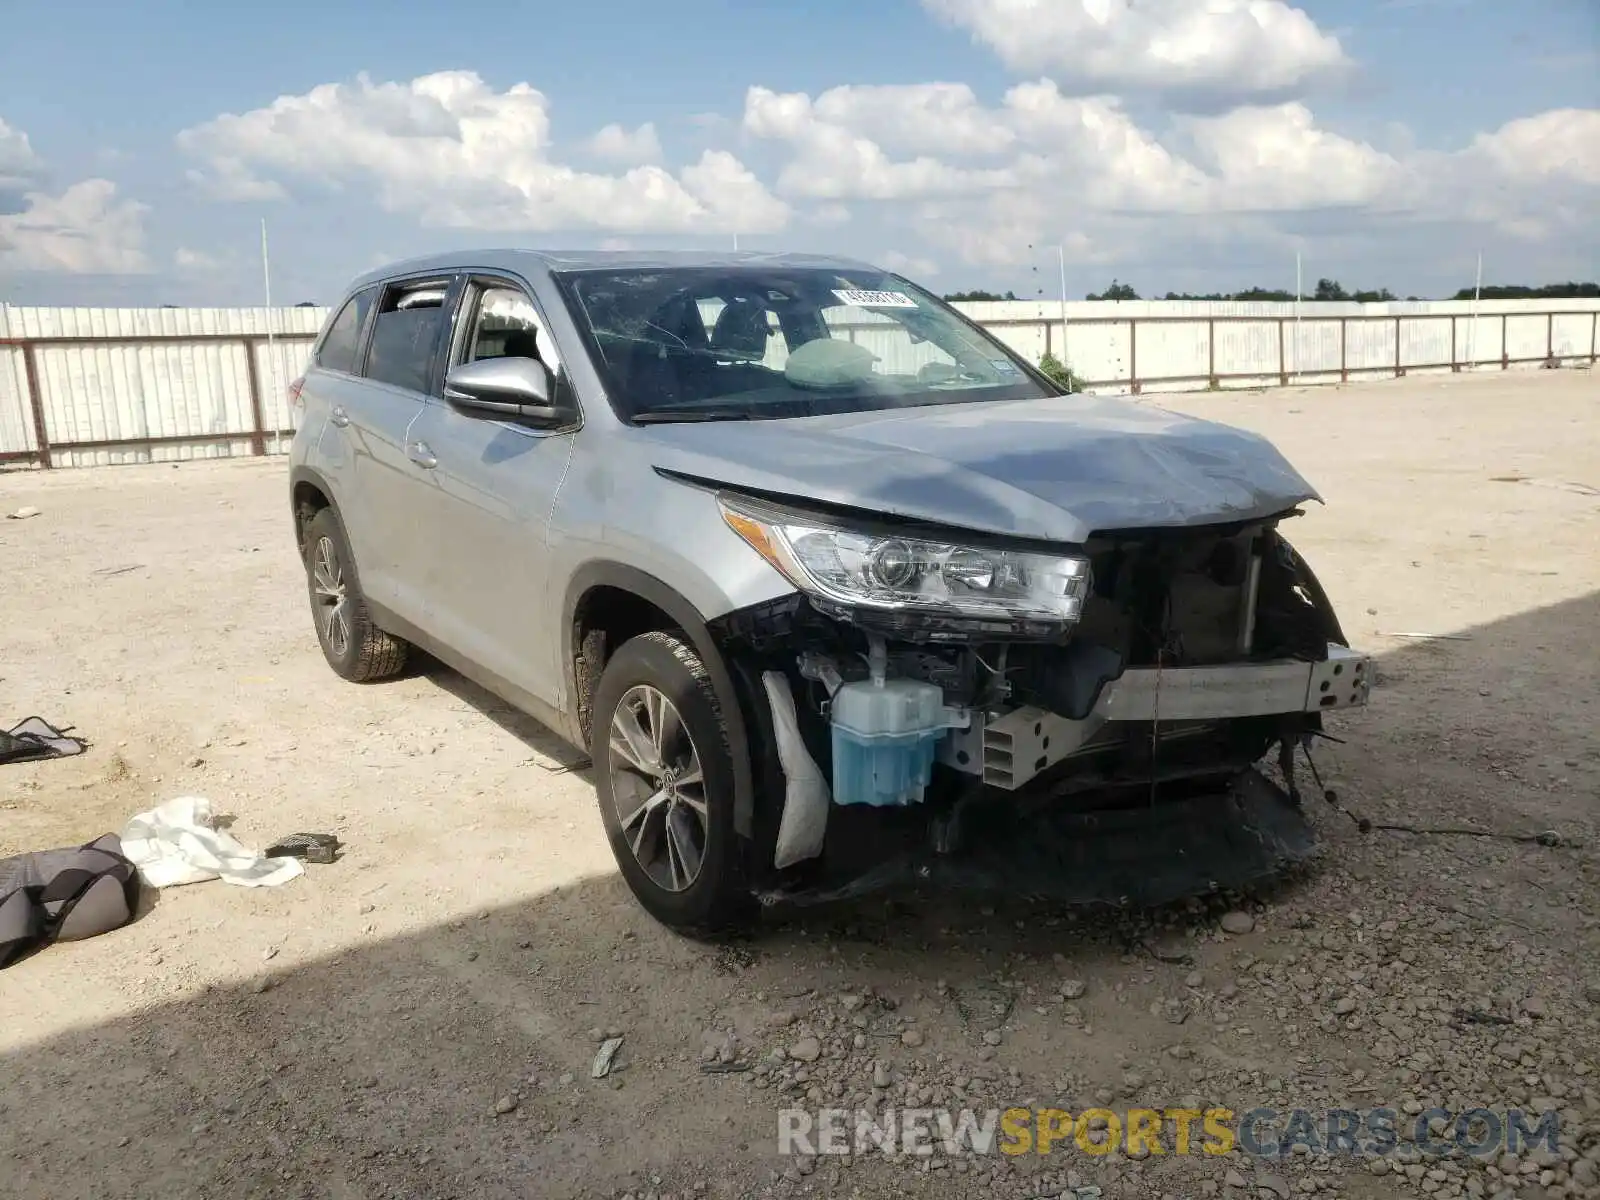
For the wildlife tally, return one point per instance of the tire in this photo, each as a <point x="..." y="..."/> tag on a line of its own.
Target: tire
<point x="355" y="648"/>
<point x="678" y="852"/>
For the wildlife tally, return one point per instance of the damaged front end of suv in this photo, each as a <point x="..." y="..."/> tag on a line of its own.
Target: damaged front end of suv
<point x="1084" y="723"/>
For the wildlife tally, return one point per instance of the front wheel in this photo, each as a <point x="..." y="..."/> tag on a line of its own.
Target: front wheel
<point x="664" y="774"/>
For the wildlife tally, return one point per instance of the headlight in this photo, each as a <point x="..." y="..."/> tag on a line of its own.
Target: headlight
<point x="890" y="573"/>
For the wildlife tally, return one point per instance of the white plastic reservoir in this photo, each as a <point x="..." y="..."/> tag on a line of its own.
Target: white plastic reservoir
<point x="885" y="736"/>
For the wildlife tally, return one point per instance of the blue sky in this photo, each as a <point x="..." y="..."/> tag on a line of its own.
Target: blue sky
<point x="1386" y="140"/>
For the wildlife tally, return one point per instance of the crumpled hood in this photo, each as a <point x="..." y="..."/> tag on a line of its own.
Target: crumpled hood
<point x="1057" y="468"/>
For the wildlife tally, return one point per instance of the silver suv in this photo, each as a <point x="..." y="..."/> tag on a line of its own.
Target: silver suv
<point x="834" y="588"/>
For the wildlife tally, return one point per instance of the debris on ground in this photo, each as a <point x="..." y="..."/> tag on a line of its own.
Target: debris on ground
<point x="312" y="847"/>
<point x="64" y="895"/>
<point x="1237" y="923"/>
<point x="23" y="513"/>
<point x="605" y="1057"/>
<point x="36" y="738"/>
<point x="179" y="842"/>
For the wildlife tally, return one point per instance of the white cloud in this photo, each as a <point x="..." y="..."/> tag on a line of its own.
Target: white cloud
<point x="228" y="178"/>
<point x="455" y="152"/>
<point x="85" y="230"/>
<point x="833" y="161"/>
<point x="1562" y="144"/>
<point x="910" y="265"/>
<point x="196" y="261"/>
<point x="1226" y="48"/>
<point x="917" y="118"/>
<point x="1046" y="167"/>
<point x="627" y="147"/>
<point x="19" y="165"/>
<point x="1264" y="159"/>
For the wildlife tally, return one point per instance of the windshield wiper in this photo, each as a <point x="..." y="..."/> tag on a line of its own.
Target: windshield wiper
<point x="671" y="415"/>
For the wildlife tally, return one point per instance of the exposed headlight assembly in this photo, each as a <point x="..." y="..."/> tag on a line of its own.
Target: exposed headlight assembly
<point x="889" y="573"/>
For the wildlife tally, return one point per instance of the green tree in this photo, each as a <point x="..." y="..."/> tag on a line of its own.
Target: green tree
<point x="1550" y="291"/>
<point x="1060" y="374"/>
<point x="1117" y="291"/>
<point x="959" y="297"/>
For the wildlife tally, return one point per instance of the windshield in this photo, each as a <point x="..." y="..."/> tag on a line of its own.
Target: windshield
<point x="747" y="343"/>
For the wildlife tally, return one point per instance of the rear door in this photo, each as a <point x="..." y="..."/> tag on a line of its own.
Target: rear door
<point x="373" y="415"/>
<point x="486" y="533"/>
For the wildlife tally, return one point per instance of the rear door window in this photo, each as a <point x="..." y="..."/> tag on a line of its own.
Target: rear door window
<point x="342" y="346"/>
<point x="406" y="337"/>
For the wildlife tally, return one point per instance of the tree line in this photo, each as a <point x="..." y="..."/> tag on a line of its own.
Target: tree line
<point x="1326" y="290"/>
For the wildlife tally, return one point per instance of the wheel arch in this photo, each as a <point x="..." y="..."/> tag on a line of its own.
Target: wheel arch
<point x="309" y="493"/>
<point x="629" y="594"/>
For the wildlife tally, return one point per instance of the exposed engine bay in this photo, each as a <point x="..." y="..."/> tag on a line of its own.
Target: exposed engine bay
<point x="918" y="745"/>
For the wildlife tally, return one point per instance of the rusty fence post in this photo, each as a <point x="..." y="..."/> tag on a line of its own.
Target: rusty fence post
<point x="1455" y="365"/>
<point x="1399" y="371"/>
<point x="1344" y="342"/>
<point x="30" y="375"/>
<point x="1211" y="353"/>
<point x="1505" y="341"/>
<point x="1283" y="362"/>
<point x="1594" y="335"/>
<point x="1550" y="339"/>
<point x="1133" y="354"/>
<point x="258" y="430"/>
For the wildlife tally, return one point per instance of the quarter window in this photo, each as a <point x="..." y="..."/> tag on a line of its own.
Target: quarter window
<point x="406" y="336"/>
<point x="339" y="349"/>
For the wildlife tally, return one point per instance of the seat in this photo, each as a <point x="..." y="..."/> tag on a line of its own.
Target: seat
<point x="521" y="343"/>
<point x="741" y="331"/>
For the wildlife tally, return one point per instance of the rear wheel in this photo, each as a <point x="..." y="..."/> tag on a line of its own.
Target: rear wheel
<point x="664" y="775"/>
<point x="355" y="648"/>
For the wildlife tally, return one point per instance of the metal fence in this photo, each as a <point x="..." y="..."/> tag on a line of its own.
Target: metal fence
<point x="88" y="387"/>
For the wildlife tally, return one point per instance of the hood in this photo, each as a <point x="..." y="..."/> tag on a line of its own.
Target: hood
<point x="1056" y="469"/>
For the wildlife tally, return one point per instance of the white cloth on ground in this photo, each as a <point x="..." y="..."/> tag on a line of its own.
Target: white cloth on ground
<point x="178" y="842"/>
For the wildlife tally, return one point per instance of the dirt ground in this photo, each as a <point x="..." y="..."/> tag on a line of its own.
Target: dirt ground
<point x="418" y="1020"/>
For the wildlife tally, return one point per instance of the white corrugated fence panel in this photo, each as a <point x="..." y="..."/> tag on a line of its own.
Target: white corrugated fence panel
<point x="277" y="366"/>
<point x="1575" y="334"/>
<point x="1250" y="351"/>
<point x="1026" y="339"/>
<point x="1425" y="343"/>
<point x="16" y="417"/>
<point x="1174" y="350"/>
<point x="144" y="390"/>
<point x="1311" y="347"/>
<point x="1527" y="337"/>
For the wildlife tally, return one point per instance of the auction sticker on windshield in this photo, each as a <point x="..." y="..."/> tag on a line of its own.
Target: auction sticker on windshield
<point x="874" y="299"/>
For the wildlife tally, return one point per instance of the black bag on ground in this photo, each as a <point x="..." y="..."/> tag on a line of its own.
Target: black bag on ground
<point x="64" y="895"/>
<point x="36" y="738"/>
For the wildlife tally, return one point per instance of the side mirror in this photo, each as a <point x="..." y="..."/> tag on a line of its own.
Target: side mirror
<point x="512" y="389"/>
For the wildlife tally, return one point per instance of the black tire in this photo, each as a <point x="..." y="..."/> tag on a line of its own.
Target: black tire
<point x="364" y="653"/>
<point x="718" y="899"/>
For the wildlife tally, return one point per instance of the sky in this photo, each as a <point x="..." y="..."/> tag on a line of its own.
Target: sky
<point x="1186" y="145"/>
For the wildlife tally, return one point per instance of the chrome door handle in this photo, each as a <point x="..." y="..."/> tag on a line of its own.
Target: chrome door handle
<point x="419" y="453"/>
<point x="339" y="417"/>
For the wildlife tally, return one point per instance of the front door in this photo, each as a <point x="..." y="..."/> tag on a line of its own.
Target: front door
<point x="485" y="534"/>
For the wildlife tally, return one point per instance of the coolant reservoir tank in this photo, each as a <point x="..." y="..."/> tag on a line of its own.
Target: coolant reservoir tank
<point x="885" y="737"/>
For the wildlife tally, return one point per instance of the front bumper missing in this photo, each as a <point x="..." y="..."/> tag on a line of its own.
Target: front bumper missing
<point x="1010" y="749"/>
<point x="1233" y="838"/>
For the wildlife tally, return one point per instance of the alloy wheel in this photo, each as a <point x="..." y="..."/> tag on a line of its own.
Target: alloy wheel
<point x="658" y="788"/>
<point x="332" y="599"/>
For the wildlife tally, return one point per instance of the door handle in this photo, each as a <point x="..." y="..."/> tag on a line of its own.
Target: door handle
<point x="419" y="453"/>
<point x="339" y="417"/>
